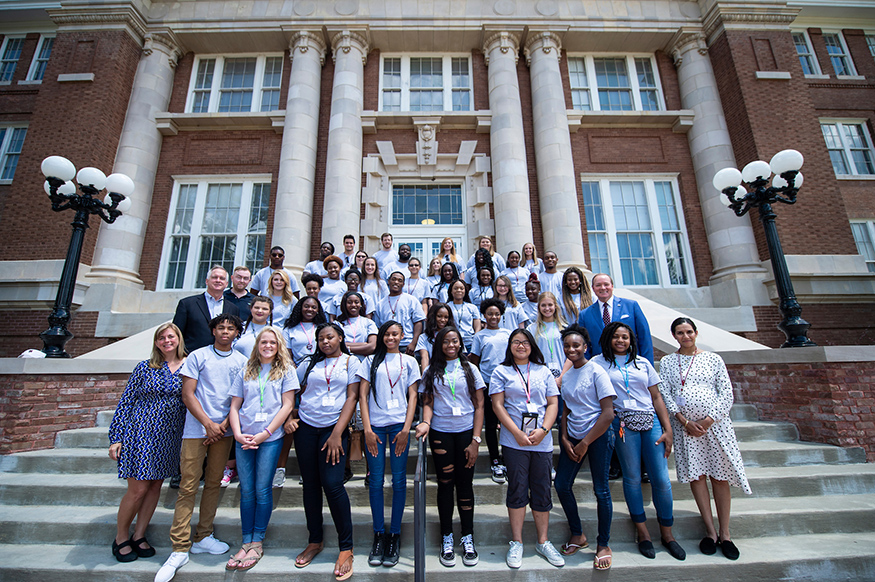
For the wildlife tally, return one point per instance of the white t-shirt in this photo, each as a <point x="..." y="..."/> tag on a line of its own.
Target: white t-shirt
<point x="512" y="382"/>
<point x="570" y="317"/>
<point x="551" y="282"/>
<point x="375" y="290"/>
<point x="534" y="267"/>
<point x="631" y="383"/>
<point x="262" y="399"/>
<point x="402" y="308"/>
<point x="387" y="401"/>
<point x="425" y="343"/>
<point x="453" y="409"/>
<point x="245" y="342"/>
<point x="316" y="267"/>
<point x="281" y="311"/>
<point x="440" y="291"/>
<point x="491" y="346"/>
<point x="324" y="395"/>
<point x="384" y="257"/>
<point x="418" y="288"/>
<point x="301" y="340"/>
<point x="550" y="344"/>
<point x="358" y="329"/>
<point x="512" y="317"/>
<point x="518" y="278"/>
<point x="261" y="281"/>
<point x="334" y="306"/>
<point x="478" y="294"/>
<point x="582" y="389"/>
<point x="530" y="309"/>
<point x="214" y="371"/>
<point x="330" y="288"/>
<point x="498" y="264"/>
<point x="465" y="315"/>
<point x="394" y="266"/>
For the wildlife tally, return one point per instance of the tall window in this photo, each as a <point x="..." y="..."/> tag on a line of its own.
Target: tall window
<point x="850" y="148"/>
<point x="806" y="55"/>
<point x="614" y="83"/>
<point x="11" y="142"/>
<point x="425" y="83"/>
<point x="864" y="234"/>
<point x="870" y="41"/>
<point x="238" y="84"/>
<point x="41" y="58"/>
<point x="10" y="52"/>
<point x="207" y="220"/>
<point x="838" y="55"/>
<point x="635" y="231"/>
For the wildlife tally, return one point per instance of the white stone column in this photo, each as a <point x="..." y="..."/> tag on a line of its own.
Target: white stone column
<point x="736" y="278"/>
<point x="557" y="186"/>
<point x="120" y="245"/>
<point x="343" y="172"/>
<point x="293" y="215"/>
<point x="510" y="181"/>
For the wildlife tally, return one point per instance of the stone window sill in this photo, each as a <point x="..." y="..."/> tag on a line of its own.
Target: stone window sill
<point x="679" y="121"/>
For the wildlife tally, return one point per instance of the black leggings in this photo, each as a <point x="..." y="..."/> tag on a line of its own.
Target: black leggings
<point x="448" y="454"/>
<point x="490" y="426"/>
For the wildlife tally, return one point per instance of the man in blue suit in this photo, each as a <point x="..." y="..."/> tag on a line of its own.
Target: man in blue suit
<point x="609" y="308"/>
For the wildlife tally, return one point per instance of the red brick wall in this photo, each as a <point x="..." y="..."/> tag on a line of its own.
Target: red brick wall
<point x="829" y="402"/>
<point x="34" y="408"/>
<point x="81" y="121"/>
<point x="831" y="324"/>
<point x="21" y="331"/>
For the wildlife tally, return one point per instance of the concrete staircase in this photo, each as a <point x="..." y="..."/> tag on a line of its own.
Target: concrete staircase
<point x="811" y="517"/>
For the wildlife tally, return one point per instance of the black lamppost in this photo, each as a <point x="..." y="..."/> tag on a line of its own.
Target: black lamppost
<point x="62" y="192"/>
<point x="785" y="185"/>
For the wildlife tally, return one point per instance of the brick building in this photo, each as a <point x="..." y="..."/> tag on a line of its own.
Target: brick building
<point x="589" y="128"/>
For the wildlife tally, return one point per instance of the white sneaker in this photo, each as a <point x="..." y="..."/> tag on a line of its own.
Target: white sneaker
<point x="514" y="557"/>
<point x="551" y="553"/>
<point x="176" y="561"/>
<point x="228" y="475"/>
<point x="279" y="478"/>
<point x="209" y="545"/>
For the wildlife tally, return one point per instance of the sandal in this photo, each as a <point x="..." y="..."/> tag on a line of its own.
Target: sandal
<point x="259" y="552"/>
<point x="349" y="559"/>
<point x="234" y="561"/>
<point x="117" y="551"/>
<point x="602" y="562"/>
<point x="143" y="552"/>
<point x="569" y="549"/>
<point x="310" y="552"/>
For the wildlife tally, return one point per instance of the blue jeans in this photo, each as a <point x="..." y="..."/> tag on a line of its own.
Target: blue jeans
<point x="599" y="454"/>
<point x="638" y="446"/>
<point x="256" y="468"/>
<point x="376" y="470"/>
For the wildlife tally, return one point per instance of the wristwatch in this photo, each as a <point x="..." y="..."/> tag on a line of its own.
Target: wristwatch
<point x="477" y="439"/>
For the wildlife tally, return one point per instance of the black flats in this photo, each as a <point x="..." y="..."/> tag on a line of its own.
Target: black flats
<point x="675" y="549"/>
<point x="708" y="546"/>
<point x="646" y="549"/>
<point x="729" y="549"/>
<point x="117" y="551"/>
<point x="143" y="553"/>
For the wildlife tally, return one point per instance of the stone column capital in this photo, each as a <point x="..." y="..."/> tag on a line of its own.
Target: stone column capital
<point x="504" y="41"/>
<point x="305" y="40"/>
<point x="684" y="41"/>
<point x="165" y="42"/>
<point x="345" y="40"/>
<point x="548" y="42"/>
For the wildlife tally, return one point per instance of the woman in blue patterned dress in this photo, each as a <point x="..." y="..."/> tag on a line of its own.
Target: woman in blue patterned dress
<point x="145" y="438"/>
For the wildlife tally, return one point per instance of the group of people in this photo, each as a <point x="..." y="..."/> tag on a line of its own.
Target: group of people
<point x="462" y="355"/>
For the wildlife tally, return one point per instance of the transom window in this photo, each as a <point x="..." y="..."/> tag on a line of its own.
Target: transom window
<point x="635" y="231"/>
<point x="238" y="84"/>
<point x="11" y="142"/>
<point x="614" y="83"/>
<point x="10" y="52"/>
<point x="41" y="58"/>
<point x="806" y="55"/>
<point x="427" y="204"/>
<point x="425" y="83"/>
<point x="838" y="55"/>
<point x="864" y="234"/>
<point x="214" y="222"/>
<point x="850" y="148"/>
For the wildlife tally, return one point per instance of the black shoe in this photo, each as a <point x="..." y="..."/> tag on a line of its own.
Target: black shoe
<point x="142" y="552"/>
<point x="729" y="550"/>
<point x="614" y="474"/>
<point x="117" y="549"/>
<point x="174" y="481"/>
<point x="675" y="549"/>
<point x="392" y="549"/>
<point x="645" y="478"/>
<point x="646" y="549"/>
<point x="708" y="546"/>
<point x="375" y="558"/>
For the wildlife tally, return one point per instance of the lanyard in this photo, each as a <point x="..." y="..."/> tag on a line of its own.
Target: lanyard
<point x="453" y="377"/>
<point x="329" y="374"/>
<point x="389" y="301"/>
<point x="307" y="334"/>
<point x="409" y="290"/>
<point x="262" y="384"/>
<point x="550" y="339"/>
<point x="684" y="375"/>
<point x="389" y="376"/>
<point x="456" y="312"/>
<point x="355" y="331"/>
<point x="625" y="371"/>
<point x="525" y="380"/>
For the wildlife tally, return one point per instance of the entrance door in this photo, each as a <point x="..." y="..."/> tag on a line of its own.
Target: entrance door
<point x="426" y="248"/>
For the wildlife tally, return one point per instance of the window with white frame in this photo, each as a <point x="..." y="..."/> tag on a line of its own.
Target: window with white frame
<point x="41" y="58"/>
<point x="805" y="53"/>
<point x="10" y="52"/>
<point x="838" y="55"/>
<point x="864" y="234"/>
<point x="870" y="42"/>
<point x="615" y="83"/>
<point x="214" y="222"/>
<point x="425" y="83"/>
<point x="235" y="84"/>
<point x="635" y="230"/>
<point x="850" y="147"/>
<point x="11" y="142"/>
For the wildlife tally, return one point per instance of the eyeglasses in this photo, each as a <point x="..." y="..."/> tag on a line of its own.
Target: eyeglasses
<point x="517" y="343"/>
<point x="277" y="255"/>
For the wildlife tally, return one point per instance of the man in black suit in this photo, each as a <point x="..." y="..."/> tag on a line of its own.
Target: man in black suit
<point x="193" y="314"/>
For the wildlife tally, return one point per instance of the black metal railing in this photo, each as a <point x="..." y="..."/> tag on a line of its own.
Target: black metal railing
<point x="419" y="514"/>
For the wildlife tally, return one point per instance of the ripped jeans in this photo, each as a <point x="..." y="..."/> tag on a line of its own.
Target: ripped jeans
<point x="448" y="454"/>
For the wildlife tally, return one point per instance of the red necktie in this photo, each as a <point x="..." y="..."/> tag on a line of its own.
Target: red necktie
<point x="606" y="317"/>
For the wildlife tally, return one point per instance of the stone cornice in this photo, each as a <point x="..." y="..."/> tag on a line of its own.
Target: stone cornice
<point x="101" y="18"/>
<point x="166" y="39"/>
<point x="548" y="42"/>
<point x="306" y="40"/>
<point x="505" y="42"/>
<point x="345" y="40"/>
<point x="685" y="40"/>
<point x="746" y="16"/>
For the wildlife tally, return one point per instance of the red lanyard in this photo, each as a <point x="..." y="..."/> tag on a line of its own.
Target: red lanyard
<point x="329" y="374"/>
<point x="309" y="341"/>
<point x="526" y="379"/>
<point x="355" y="331"/>
<point x="389" y="376"/>
<point x="409" y="290"/>
<point x="389" y="301"/>
<point x="690" y="367"/>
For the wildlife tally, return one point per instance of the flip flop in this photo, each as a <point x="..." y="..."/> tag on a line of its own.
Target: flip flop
<point x="598" y="563"/>
<point x="349" y="559"/>
<point x="259" y="553"/>
<point x="307" y="563"/>
<point x="569" y="549"/>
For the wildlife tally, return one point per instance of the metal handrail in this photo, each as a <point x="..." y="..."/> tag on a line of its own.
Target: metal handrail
<point x="419" y="514"/>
